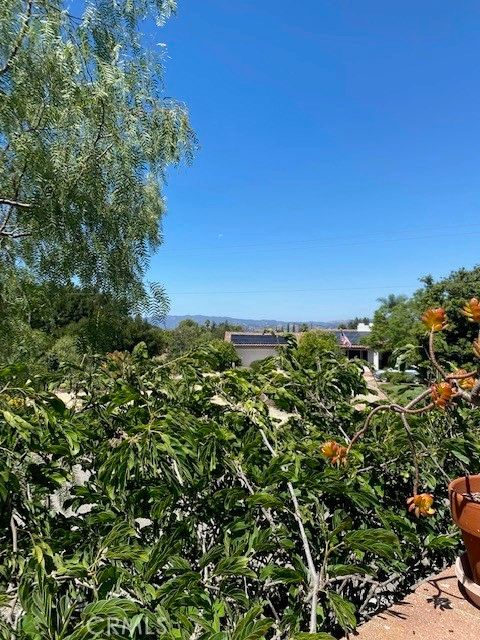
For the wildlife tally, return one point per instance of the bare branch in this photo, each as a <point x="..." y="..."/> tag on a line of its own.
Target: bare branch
<point x="461" y="376"/>
<point x="15" y="203"/>
<point x="418" y="399"/>
<point x="13" y="529"/>
<point x="363" y="430"/>
<point x="352" y="576"/>
<point x="100" y="126"/>
<point x="15" y="234"/>
<point x="407" y="409"/>
<point x="399" y="409"/>
<point x="416" y="479"/>
<point x="313" y="574"/>
<point x="374" y="589"/>
<point x="433" y="358"/>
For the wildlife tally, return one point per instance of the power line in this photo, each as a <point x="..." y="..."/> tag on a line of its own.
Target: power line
<point x="327" y="243"/>
<point x="264" y="291"/>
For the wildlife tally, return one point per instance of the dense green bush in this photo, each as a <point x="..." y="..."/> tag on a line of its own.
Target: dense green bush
<point x="397" y="329"/>
<point x="182" y="502"/>
<point x="48" y="325"/>
<point x="313" y="344"/>
<point x="398" y="377"/>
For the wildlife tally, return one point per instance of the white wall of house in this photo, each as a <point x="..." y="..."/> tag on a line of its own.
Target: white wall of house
<point x="251" y="354"/>
<point x="362" y="326"/>
<point x="373" y="356"/>
<point x="374" y="359"/>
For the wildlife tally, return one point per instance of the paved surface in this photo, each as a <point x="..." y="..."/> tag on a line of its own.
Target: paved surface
<point x="435" y="611"/>
<point x="374" y="392"/>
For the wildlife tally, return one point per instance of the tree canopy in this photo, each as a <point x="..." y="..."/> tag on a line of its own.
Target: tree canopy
<point x="397" y="326"/>
<point x="312" y="345"/>
<point x="394" y="324"/>
<point x="49" y="324"/>
<point x="86" y="134"/>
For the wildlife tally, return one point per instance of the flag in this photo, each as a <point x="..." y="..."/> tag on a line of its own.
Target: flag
<point x="344" y="341"/>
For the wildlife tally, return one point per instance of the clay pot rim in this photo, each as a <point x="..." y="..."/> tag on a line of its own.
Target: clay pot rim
<point x="453" y="489"/>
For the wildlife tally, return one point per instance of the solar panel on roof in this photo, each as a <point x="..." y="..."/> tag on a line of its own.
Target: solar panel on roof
<point x="356" y="337"/>
<point x="266" y="339"/>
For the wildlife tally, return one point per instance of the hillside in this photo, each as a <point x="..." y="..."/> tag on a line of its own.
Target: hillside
<point x="172" y="321"/>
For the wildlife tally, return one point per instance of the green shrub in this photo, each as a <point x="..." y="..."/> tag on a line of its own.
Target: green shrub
<point x="204" y="501"/>
<point x="64" y="350"/>
<point x="220" y="355"/>
<point x="313" y="344"/>
<point x="398" y="377"/>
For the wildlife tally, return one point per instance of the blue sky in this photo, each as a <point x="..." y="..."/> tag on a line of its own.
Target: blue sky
<point x="339" y="153"/>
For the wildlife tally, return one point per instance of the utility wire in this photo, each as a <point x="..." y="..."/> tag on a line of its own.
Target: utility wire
<point x="264" y="291"/>
<point x="327" y="243"/>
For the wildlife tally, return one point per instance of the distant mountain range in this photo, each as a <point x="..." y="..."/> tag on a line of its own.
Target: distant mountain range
<point x="247" y="323"/>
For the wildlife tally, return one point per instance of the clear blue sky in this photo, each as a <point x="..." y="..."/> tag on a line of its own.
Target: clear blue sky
<point x="335" y="137"/>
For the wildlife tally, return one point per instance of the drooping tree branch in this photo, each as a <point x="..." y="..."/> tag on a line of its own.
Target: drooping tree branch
<point x="21" y="35"/>
<point x="391" y="407"/>
<point x="15" y="234"/>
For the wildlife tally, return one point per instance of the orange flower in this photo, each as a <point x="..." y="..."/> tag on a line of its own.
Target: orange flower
<point x="329" y="449"/>
<point x="465" y="382"/>
<point x="471" y="310"/>
<point x="435" y="319"/>
<point x="421" y="504"/>
<point x="442" y="393"/>
<point x="341" y="457"/>
<point x="335" y="452"/>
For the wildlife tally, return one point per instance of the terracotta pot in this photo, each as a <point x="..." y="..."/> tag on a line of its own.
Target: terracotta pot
<point x="466" y="515"/>
<point x="468" y="587"/>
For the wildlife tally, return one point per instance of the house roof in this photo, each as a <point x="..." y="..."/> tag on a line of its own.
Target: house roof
<point x="255" y="339"/>
<point x="353" y="335"/>
<point x="246" y="339"/>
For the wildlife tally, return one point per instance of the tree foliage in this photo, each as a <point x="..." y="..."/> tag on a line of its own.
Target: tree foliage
<point x="177" y="501"/>
<point x="86" y="134"/>
<point x="312" y="345"/>
<point x="49" y="324"/>
<point x="353" y="324"/>
<point x="188" y="335"/>
<point x="397" y="326"/>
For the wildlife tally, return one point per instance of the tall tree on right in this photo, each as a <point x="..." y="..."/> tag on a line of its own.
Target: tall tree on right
<point x="397" y="326"/>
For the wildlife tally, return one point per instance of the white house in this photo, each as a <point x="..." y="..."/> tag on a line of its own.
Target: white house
<point x="251" y="347"/>
<point x="353" y="342"/>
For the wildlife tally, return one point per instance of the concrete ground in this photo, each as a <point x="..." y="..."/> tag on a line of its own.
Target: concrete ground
<point x="436" y="610"/>
<point x="374" y="392"/>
